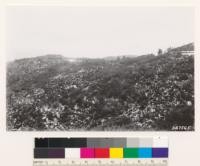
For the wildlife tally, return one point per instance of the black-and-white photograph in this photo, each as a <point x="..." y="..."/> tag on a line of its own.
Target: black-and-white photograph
<point x="100" y="68"/>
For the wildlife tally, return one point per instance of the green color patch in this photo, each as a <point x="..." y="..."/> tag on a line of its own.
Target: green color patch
<point x="131" y="153"/>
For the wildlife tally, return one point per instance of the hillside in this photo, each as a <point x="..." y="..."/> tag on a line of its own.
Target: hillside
<point x="129" y="93"/>
<point x="186" y="47"/>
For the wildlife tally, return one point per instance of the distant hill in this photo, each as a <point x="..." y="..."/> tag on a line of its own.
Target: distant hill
<point x="119" y="57"/>
<point x="187" y="47"/>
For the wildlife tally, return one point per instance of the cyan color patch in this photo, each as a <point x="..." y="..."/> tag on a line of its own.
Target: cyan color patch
<point x="145" y="152"/>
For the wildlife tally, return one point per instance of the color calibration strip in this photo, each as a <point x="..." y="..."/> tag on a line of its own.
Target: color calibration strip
<point x="101" y="148"/>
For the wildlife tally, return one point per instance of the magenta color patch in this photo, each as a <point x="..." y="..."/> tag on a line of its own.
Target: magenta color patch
<point x="87" y="152"/>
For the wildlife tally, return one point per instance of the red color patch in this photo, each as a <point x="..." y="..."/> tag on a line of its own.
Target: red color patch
<point x="101" y="153"/>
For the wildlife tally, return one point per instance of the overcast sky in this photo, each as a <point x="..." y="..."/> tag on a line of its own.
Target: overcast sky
<point x="96" y="31"/>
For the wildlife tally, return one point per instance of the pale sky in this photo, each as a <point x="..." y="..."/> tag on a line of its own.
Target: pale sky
<point x="95" y="32"/>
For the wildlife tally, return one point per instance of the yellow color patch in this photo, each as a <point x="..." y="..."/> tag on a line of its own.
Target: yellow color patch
<point x="116" y="152"/>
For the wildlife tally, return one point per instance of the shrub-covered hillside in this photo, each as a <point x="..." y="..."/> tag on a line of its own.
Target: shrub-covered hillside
<point x="140" y="93"/>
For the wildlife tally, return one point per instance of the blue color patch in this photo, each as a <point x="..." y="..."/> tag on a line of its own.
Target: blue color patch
<point x="145" y="152"/>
